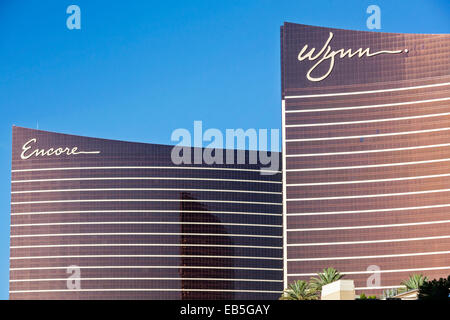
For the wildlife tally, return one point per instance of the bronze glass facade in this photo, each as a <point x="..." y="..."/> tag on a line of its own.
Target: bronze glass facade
<point x="365" y="188"/>
<point x="367" y="154"/>
<point x="130" y="224"/>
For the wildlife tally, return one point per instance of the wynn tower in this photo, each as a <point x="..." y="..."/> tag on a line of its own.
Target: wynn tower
<point x="366" y="137"/>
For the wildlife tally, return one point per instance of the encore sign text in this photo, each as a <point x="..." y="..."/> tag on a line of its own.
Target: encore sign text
<point x="27" y="153"/>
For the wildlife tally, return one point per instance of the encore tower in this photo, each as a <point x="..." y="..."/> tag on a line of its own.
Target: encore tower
<point x="366" y="148"/>
<point x="103" y="219"/>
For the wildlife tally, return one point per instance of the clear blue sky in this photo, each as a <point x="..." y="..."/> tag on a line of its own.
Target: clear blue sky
<point x="137" y="70"/>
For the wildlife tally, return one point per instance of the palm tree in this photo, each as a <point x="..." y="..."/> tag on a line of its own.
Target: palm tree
<point x="327" y="276"/>
<point x="299" y="290"/>
<point x="414" y="281"/>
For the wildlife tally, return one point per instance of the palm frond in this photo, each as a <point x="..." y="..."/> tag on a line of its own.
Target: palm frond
<point x="327" y="276"/>
<point x="414" y="281"/>
<point x="299" y="290"/>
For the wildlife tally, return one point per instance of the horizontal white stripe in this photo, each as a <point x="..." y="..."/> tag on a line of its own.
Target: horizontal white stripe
<point x="368" y="106"/>
<point x="144" y="211"/>
<point x="367" y="181"/>
<point x="368" y="151"/>
<point x="148" y="267"/>
<point x="141" y="178"/>
<point x="370" y="166"/>
<point x="141" y="234"/>
<point x="372" y="257"/>
<point x="366" y="92"/>
<point x="365" y="241"/>
<point x="369" y="211"/>
<point x="371" y="271"/>
<point x="366" y="121"/>
<point x="142" y="245"/>
<point x="369" y="135"/>
<point x="141" y="290"/>
<point x="370" y="226"/>
<point x="141" y="189"/>
<point x="143" y="256"/>
<point x="142" y="200"/>
<point x="142" y="167"/>
<point x="370" y="195"/>
<point x="143" y="222"/>
<point x="156" y="279"/>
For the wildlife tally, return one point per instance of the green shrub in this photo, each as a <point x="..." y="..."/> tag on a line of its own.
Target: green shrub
<point x="435" y="289"/>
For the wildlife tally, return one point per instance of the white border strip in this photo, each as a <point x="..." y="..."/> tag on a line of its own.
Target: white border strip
<point x="369" y="135"/>
<point x="142" y="234"/>
<point x="366" y="92"/>
<point x="144" y="211"/>
<point x="142" y="279"/>
<point x="368" y="106"/>
<point x="143" y="256"/>
<point x="283" y="180"/>
<point x="365" y="121"/>
<point x="368" y="151"/>
<point x="369" y="211"/>
<point x="142" y="200"/>
<point x="370" y="195"/>
<point x="143" y="178"/>
<point x="372" y="257"/>
<point x="370" y="226"/>
<point x="147" y="267"/>
<point x="365" y="241"/>
<point x="372" y="272"/>
<point x="141" y="167"/>
<point x="370" y="165"/>
<point x="143" y="245"/>
<point x="141" y="290"/>
<point x="140" y="189"/>
<point x="142" y="223"/>
<point x="366" y="181"/>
